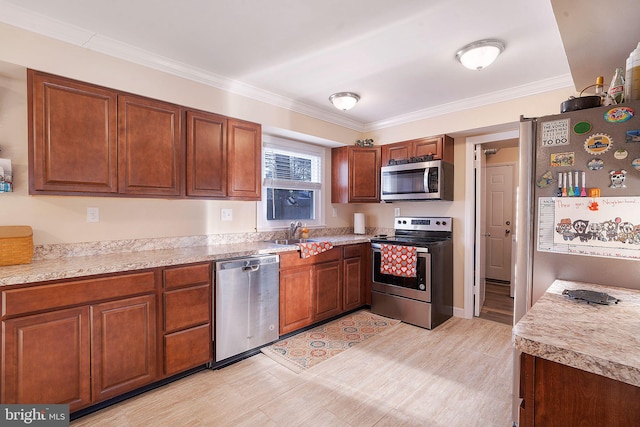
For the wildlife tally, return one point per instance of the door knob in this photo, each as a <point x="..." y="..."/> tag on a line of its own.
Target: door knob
<point x="506" y="232"/>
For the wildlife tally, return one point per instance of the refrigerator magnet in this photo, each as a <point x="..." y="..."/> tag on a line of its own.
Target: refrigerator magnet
<point x="617" y="178"/>
<point x="636" y="164"/>
<point x="595" y="164"/>
<point x="562" y="159"/>
<point x="618" y="114"/>
<point x="582" y="127"/>
<point x="620" y="154"/>
<point x="598" y="143"/>
<point x="633" y="136"/>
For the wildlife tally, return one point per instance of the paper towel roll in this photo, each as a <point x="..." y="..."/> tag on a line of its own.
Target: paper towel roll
<point x="358" y="223"/>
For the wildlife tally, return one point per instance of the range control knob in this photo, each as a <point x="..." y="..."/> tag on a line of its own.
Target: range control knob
<point x="444" y="222"/>
<point x="437" y="222"/>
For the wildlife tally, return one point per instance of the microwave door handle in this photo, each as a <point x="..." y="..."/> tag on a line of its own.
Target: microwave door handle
<point x="426" y="180"/>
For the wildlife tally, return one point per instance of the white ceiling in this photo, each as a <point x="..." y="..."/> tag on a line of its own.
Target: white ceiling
<point x="398" y="56"/>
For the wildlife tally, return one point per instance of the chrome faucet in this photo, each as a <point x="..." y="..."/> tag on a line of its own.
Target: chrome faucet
<point x="293" y="227"/>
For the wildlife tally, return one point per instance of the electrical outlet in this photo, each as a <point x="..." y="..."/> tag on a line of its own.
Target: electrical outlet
<point x="335" y="212"/>
<point x="397" y="212"/>
<point x="226" y="214"/>
<point x="93" y="215"/>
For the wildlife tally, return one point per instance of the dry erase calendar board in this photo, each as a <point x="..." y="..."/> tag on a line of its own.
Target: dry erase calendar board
<point x="605" y="226"/>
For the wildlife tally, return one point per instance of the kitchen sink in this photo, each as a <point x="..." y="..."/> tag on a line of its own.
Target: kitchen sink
<point x="290" y="241"/>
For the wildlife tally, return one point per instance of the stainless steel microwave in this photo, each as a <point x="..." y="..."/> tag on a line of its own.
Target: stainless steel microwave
<point x="431" y="180"/>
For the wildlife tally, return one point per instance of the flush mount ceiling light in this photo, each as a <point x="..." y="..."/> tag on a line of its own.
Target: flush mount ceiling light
<point x="344" y="100"/>
<point x="480" y="54"/>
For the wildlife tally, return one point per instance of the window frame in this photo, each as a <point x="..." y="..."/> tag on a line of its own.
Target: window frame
<point x="262" y="224"/>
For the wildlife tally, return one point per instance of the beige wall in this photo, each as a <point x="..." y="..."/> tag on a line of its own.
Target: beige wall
<point x="63" y="219"/>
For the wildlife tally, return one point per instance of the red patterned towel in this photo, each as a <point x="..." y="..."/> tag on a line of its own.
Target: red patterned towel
<point x="398" y="260"/>
<point x="313" y="248"/>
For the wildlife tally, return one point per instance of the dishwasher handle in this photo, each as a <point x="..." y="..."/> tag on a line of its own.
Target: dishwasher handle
<point x="251" y="263"/>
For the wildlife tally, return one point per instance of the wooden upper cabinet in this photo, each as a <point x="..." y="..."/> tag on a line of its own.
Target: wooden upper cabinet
<point x="89" y="140"/>
<point x="244" y="155"/>
<point x="441" y="147"/>
<point x="206" y="154"/>
<point x="72" y="136"/>
<point x="355" y="174"/>
<point x="149" y="147"/>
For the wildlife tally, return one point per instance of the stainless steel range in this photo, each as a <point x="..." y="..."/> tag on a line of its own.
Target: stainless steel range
<point x="426" y="298"/>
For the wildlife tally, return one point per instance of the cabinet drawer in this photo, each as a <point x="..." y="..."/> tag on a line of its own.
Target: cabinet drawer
<point x="351" y="251"/>
<point x="49" y="296"/>
<point x="187" y="275"/>
<point x="187" y="307"/>
<point x="187" y="349"/>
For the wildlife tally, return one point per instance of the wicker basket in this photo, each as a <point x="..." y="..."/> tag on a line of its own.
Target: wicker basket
<point x="16" y="244"/>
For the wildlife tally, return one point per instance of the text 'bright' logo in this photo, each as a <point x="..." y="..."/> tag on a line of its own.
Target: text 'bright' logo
<point x="39" y="415"/>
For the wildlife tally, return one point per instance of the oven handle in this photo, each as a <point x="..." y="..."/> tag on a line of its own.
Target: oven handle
<point x="376" y="247"/>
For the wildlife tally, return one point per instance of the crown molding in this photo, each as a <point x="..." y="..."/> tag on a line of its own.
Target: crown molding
<point x="541" y="86"/>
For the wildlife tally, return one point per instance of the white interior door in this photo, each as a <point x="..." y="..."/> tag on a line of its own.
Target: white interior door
<point x="499" y="222"/>
<point x="480" y="223"/>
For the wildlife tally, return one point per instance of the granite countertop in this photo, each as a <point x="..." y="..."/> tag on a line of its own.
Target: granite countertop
<point x="602" y="339"/>
<point x="78" y="266"/>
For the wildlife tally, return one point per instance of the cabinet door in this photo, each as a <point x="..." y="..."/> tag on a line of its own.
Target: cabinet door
<point x="206" y="154"/>
<point x="123" y="345"/>
<point x="72" y="136"/>
<point x="149" y="147"/>
<point x="327" y="290"/>
<point x="353" y="273"/>
<point x="426" y="146"/>
<point x="296" y="299"/>
<point x="364" y="174"/>
<point x="46" y="359"/>
<point x="244" y="149"/>
<point x="397" y="151"/>
<point x="440" y="146"/>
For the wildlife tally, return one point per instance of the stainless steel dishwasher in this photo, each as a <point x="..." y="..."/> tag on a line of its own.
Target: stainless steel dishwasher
<point x="246" y="301"/>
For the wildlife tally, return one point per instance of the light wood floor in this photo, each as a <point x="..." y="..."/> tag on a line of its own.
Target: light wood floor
<point x="498" y="305"/>
<point x="459" y="374"/>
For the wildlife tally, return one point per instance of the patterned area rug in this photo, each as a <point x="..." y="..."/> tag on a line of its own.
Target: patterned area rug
<point x="316" y="345"/>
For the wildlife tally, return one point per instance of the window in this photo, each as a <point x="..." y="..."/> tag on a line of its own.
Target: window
<point x="291" y="184"/>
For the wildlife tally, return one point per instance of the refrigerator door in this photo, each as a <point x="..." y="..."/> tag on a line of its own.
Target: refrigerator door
<point x="600" y="142"/>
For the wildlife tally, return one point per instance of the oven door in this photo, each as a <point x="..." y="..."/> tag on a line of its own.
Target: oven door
<point x="418" y="288"/>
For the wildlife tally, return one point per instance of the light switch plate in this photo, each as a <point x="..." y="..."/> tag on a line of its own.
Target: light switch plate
<point x="396" y="211"/>
<point x="93" y="215"/>
<point x="226" y="214"/>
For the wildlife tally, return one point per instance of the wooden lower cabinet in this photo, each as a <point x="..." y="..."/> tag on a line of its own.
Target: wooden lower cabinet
<point x="80" y="341"/>
<point x="47" y="358"/>
<point x="320" y="287"/>
<point x="559" y="395"/>
<point x="296" y="299"/>
<point x="86" y="340"/>
<point x="327" y="290"/>
<point x="187" y="335"/>
<point x="123" y="345"/>
<point x="353" y="277"/>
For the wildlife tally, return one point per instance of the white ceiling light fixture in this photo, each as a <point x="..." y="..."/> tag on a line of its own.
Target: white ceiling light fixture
<point x="480" y="54"/>
<point x="344" y="100"/>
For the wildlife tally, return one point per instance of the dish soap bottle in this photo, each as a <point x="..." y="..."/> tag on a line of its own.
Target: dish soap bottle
<point x="615" y="95"/>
